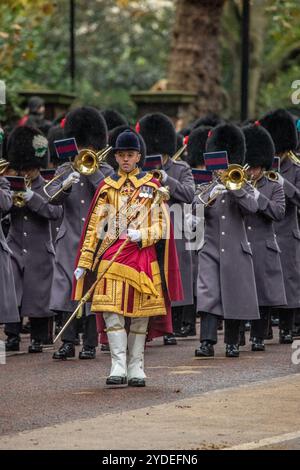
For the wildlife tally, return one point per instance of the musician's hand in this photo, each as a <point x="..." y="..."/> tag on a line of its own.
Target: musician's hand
<point x="256" y="193"/>
<point x="79" y="272"/>
<point x="28" y="195"/>
<point x="218" y="189"/>
<point x="73" y="178"/>
<point x="164" y="176"/>
<point x="134" y="235"/>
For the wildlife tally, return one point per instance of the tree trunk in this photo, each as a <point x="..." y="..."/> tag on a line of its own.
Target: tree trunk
<point x="194" y="64"/>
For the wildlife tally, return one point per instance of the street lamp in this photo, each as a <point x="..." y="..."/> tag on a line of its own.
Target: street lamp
<point x="245" y="60"/>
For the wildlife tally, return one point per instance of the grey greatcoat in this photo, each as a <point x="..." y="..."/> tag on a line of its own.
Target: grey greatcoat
<point x="8" y="299"/>
<point x="288" y="234"/>
<point x="182" y="190"/>
<point x="226" y="282"/>
<point x="76" y="202"/>
<point x="266" y="252"/>
<point x="30" y="240"/>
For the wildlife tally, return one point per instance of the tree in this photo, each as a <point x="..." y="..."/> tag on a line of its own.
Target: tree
<point x="194" y="63"/>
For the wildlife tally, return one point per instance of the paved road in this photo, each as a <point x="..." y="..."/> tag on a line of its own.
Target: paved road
<point x="37" y="392"/>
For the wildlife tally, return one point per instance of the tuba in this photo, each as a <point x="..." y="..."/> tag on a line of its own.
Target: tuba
<point x="87" y="162"/>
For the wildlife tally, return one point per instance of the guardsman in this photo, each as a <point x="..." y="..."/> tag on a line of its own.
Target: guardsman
<point x="281" y="126"/>
<point x="226" y="282"/>
<point x="261" y="232"/>
<point x="159" y="134"/>
<point x="135" y="261"/>
<point x="30" y="240"/>
<point x="75" y="192"/>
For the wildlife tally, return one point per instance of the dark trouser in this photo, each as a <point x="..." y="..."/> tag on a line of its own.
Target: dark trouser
<point x="209" y="327"/>
<point x="90" y="335"/>
<point x="189" y="315"/>
<point x="260" y="328"/>
<point x="177" y="313"/>
<point x="297" y="317"/>
<point x="232" y="331"/>
<point x="286" y="318"/>
<point x="39" y="329"/>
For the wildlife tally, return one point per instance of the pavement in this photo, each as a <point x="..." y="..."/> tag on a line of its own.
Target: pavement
<point x="188" y="403"/>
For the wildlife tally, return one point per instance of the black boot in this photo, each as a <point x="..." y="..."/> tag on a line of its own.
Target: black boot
<point x="258" y="344"/>
<point x="135" y="382"/>
<point x="186" y="330"/>
<point x="105" y="348"/>
<point x="206" y="349"/>
<point x="88" y="352"/>
<point x="170" y="340"/>
<point x="66" y="350"/>
<point x="285" y="337"/>
<point x="116" y="381"/>
<point x="232" y="350"/>
<point x="35" y="346"/>
<point x="12" y="343"/>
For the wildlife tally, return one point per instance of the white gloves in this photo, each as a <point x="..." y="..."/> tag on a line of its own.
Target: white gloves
<point x="164" y="176"/>
<point x="79" y="272"/>
<point x="28" y="195"/>
<point x="218" y="189"/>
<point x="280" y="179"/>
<point x="134" y="235"/>
<point x="73" y="178"/>
<point x="256" y="193"/>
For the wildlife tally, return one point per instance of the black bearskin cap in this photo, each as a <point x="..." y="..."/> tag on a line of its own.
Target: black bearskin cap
<point x="87" y="126"/>
<point x="281" y="125"/>
<point x="228" y="137"/>
<point x="27" y="147"/>
<point x="196" y="145"/>
<point x="113" y="119"/>
<point x="211" y="120"/>
<point x="260" y="149"/>
<point x="159" y="134"/>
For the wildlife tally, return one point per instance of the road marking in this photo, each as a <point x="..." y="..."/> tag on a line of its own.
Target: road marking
<point x="266" y="442"/>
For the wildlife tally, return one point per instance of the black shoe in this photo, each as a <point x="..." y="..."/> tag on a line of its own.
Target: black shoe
<point x="135" y="382"/>
<point x="105" y="348"/>
<point x="285" y="337"/>
<point x="186" y="330"/>
<point x="170" y="340"/>
<point x="57" y="329"/>
<point x="242" y="341"/>
<point x="66" y="350"/>
<point x="206" y="349"/>
<point x="274" y="321"/>
<point x="247" y="326"/>
<point x="88" y="352"/>
<point x="258" y="344"/>
<point x="12" y="344"/>
<point x="116" y="381"/>
<point x="232" y="350"/>
<point x="35" y="346"/>
<point x="296" y="332"/>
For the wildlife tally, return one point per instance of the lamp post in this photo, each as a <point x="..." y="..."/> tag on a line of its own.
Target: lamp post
<point x="72" y="44"/>
<point x="245" y="60"/>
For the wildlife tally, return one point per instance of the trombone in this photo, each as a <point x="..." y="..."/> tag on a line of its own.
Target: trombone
<point x="4" y="164"/>
<point x="234" y="178"/>
<point x="87" y="162"/>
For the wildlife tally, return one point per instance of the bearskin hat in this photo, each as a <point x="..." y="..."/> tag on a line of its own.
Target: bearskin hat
<point x="211" y="120"/>
<point x="27" y="147"/>
<point x="260" y="149"/>
<point x="113" y="135"/>
<point x="227" y="137"/>
<point x="87" y="126"/>
<point x="159" y="134"/>
<point x="196" y="145"/>
<point x="113" y="119"/>
<point x="281" y="125"/>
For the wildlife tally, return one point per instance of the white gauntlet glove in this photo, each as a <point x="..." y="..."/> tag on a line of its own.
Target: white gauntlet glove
<point x="28" y="195"/>
<point x="256" y="193"/>
<point x="73" y="178"/>
<point x="280" y="179"/>
<point x="164" y="176"/>
<point x="134" y="235"/>
<point x="79" y="272"/>
<point x="218" y="189"/>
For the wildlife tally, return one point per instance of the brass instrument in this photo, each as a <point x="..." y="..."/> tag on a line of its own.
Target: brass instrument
<point x="178" y="154"/>
<point x="18" y="196"/>
<point x="4" y="164"/>
<point x="87" y="162"/>
<point x="291" y="155"/>
<point x="234" y="178"/>
<point x="272" y="175"/>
